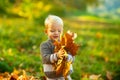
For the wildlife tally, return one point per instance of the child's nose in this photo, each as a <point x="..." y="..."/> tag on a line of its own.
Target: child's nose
<point x="56" y="32"/>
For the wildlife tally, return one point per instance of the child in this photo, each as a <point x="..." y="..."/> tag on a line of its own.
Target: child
<point x="53" y="29"/>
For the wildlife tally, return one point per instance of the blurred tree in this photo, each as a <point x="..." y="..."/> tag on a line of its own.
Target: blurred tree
<point x="6" y="5"/>
<point x="25" y="7"/>
<point x="38" y="9"/>
<point x="3" y="5"/>
<point x="79" y="4"/>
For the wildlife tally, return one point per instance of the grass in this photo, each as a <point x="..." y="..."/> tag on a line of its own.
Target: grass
<point x="99" y="51"/>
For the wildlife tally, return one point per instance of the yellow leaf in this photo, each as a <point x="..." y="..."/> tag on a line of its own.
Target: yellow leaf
<point x="99" y="35"/>
<point x="94" y="77"/>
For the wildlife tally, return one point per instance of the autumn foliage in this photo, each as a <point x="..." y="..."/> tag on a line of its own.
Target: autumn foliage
<point x="16" y="75"/>
<point x="68" y="44"/>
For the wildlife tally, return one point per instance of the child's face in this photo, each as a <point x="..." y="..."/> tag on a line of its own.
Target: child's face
<point x="54" y="31"/>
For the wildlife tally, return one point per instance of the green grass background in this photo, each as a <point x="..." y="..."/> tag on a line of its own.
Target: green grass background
<point x="99" y="51"/>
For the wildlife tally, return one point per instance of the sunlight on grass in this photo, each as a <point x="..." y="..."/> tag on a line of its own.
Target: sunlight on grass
<point x="95" y="19"/>
<point x="91" y="18"/>
<point x="98" y="53"/>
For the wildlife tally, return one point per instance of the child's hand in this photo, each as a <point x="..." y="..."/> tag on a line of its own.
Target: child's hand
<point x="69" y="57"/>
<point x="60" y="53"/>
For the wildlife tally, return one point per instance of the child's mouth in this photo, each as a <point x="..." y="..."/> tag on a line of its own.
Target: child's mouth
<point x="55" y="37"/>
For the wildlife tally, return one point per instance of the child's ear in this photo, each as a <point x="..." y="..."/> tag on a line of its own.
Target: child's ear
<point x="45" y="30"/>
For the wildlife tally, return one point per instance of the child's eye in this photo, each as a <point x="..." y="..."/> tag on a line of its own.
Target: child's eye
<point x="52" y="31"/>
<point x="59" y="31"/>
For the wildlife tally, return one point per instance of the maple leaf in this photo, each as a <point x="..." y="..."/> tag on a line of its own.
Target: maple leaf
<point x="68" y="44"/>
<point x="94" y="77"/>
<point x="67" y="40"/>
<point x="109" y="75"/>
<point x="66" y="68"/>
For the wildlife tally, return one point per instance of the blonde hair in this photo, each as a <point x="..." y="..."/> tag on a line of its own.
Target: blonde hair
<point x="52" y="19"/>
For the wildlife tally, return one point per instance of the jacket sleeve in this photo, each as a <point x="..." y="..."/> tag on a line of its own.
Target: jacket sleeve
<point x="47" y="56"/>
<point x="70" y="57"/>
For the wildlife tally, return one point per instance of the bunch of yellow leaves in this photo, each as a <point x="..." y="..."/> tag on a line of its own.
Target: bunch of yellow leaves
<point x="16" y="75"/>
<point x="68" y="44"/>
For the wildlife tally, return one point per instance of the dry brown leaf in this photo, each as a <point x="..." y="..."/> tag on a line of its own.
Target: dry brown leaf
<point x="109" y="75"/>
<point x="16" y="76"/>
<point x="70" y="46"/>
<point x="94" y="77"/>
<point x="59" y="68"/>
<point x="66" y="68"/>
<point x="67" y="40"/>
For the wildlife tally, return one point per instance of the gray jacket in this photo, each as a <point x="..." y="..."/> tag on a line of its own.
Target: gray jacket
<point x="48" y="58"/>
